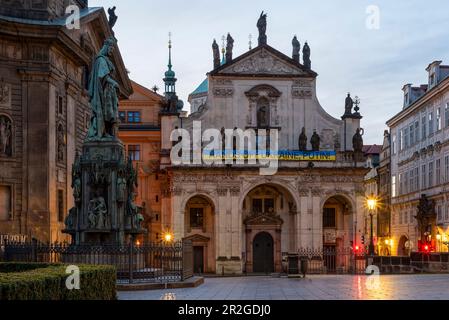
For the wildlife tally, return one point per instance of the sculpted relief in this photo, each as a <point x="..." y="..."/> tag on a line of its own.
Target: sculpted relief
<point x="5" y="95"/>
<point x="264" y="63"/>
<point x="5" y="136"/>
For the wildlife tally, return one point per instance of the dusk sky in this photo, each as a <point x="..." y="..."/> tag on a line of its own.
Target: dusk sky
<point x="347" y="55"/>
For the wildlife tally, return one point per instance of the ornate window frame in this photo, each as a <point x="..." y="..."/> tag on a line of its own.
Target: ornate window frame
<point x="254" y="95"/>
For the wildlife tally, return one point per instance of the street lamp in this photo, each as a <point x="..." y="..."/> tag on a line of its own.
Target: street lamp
<point x="371" y="203"/>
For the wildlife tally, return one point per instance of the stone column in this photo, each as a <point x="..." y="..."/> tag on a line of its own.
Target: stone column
<point x="317" y="219"/>
<point x="305" y="220"/>
<point x="178" y="217"/>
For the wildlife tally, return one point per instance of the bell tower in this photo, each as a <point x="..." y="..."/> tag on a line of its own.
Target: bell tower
<point x="38" y="9"/>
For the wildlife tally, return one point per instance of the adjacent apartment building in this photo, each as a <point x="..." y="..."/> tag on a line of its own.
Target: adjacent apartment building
<point x="420" y="165"/>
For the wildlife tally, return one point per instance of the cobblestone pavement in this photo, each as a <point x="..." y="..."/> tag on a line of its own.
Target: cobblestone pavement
<point x="338" y="287"/>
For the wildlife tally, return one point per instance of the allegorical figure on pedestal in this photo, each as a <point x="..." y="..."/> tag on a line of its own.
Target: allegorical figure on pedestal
<point x="303" y="140"/>
<point x="103" y="95"/>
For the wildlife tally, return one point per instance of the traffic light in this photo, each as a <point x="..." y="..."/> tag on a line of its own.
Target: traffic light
<point x="363" y="239"/>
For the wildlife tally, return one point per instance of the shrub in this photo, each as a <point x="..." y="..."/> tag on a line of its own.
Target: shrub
<point x="32" y="281"/>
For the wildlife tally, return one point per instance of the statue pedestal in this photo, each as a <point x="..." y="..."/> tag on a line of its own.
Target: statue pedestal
<point x="102" y="214"/>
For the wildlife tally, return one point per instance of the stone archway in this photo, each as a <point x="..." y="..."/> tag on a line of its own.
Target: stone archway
<point x="199" y="227"/>
<point x="403" y="249"/>
<point x="337" y="226"/>
<point x="270" y="210"/>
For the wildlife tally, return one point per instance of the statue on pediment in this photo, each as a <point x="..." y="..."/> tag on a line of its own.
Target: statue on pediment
<point x="229" y="48"/>
<point x="216" y="52"/>
<point x="296" y="48"/>
<point x="112" y="17"/>
<point x="306" y="56"/>
<point x="262" y="26"/>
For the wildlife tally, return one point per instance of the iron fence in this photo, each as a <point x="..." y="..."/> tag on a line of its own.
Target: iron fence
<point x="331" y="261"/>
<point x="152" y="262"/>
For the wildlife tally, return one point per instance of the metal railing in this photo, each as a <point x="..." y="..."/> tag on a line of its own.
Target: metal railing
<point x="152" y="262"/>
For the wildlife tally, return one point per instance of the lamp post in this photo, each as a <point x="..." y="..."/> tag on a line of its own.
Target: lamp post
<point x="372" y="204"/>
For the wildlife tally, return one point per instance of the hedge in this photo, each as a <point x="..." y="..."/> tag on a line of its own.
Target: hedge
<point x="33" y="281"/>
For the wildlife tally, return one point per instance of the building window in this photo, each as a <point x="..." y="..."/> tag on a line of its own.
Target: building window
<point x="406" y="99"/>
<point x="438" y="171"/>
<point x="157" y="217"/>
<point x="329" y="218"/>
<point x="406" y="182"/>
<point x="405" y="217"/>
<point x="446" y="115"/>
<point x="61" y="205"/>
<point x="394" y="144"/>
<point x="196" y="217"/>
<point x="406" y="137"/>
<point x="423" y="127"/>
<point x="438" y="119"/>
<point x="5" y="203"/>
<point x="430" y="182"/>
<point x="412" y="134"/>
<point x="269" y="205"/>
<point x="134" y="152"/>
<point x="432" y="79"/>
<point x="393" y="186"/>
<point x="430" y="123"/>
<point x="446" y="168"/>
<point x="157" y="198"/>
<point x="439" y="214"/>
<point x="122" y="116"/>
<point x="60" y="105"/>
<point x="424" y="176"/>
<point x="416" y="131"/>
<point x="400" y="217"/>
<point x="133" y="117"/>
<point x="416" y="179"/>
<point x="446" y="216"/>
<point x="257" y="206"/>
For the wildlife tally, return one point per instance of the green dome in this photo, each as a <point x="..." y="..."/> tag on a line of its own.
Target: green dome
<point x="169" y="74"/>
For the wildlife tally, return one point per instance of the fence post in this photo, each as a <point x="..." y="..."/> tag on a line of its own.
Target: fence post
<point x="130" y="260"/>
<point x="34" y="250"/>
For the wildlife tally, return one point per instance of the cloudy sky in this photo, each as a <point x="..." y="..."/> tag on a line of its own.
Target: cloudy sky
<point x="348" y="56"/>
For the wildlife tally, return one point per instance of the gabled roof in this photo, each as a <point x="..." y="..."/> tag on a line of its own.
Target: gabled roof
<point x="145" y="92"/>
<point x="279" y="55"/>
<point x="372" y="149"/>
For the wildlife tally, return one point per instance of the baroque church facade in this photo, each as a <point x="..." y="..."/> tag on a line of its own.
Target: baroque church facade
<point x="238" y="220"/>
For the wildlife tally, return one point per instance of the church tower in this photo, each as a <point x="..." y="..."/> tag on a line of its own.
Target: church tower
<point x="38" y="9"/>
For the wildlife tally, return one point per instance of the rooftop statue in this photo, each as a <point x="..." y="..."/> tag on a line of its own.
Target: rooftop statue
<point x="103" y="93"/>
<point x="306" y="56"/>
<point x="229" y="48"/>
<point x="216" y="51"/>
<point x="315" y="141"/>
<point x="262" y="26"/>
<point x="349" y="104"/>
<point x="112" y="17"/>
<point x="357" y="141"/>
<point x="296" y="48"/>
<point x="303" y="140"/>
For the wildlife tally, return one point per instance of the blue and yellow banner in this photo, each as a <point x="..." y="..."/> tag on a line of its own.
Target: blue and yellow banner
<point x="282" y="155"/>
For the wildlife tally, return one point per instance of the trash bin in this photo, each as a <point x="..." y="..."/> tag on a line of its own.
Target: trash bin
<point x="293" y="264"/>
<point x="304" y="265"/>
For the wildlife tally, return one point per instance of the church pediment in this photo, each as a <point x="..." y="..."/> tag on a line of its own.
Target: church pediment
<point x="197" y="238"/>
<point x="264" y="60"/>
<point x="264" y="219"/>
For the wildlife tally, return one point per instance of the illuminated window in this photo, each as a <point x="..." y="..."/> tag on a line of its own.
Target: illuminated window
<point x="393" y="186"/>
<point x="431" y="123"/>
